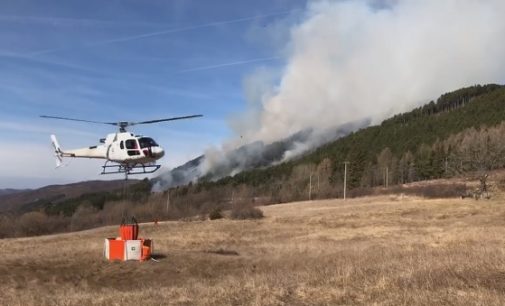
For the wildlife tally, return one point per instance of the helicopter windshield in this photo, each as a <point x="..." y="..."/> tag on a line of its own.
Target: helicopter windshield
<point x="146" y="142"/>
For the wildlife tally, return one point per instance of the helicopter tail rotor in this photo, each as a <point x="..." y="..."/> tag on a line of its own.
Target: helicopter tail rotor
<point x="58" y="153"/>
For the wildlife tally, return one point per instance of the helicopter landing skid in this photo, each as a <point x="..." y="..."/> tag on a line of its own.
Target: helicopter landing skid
<point x="129" y="170"/>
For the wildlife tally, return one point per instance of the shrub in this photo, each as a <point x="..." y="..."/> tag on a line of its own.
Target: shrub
<point x="442" y="191"/>
<point x="246" y="212"/>
<point x="216" y="213"/>
<point x="430" y="190"/>
<point x="7" y="226"/>
<point x="33" y="223"/>
<point x="84" y="217"/>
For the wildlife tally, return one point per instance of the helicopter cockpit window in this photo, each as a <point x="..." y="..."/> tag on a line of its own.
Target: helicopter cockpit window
<point x="121" y="145"/>
<point x="146" y="142"/>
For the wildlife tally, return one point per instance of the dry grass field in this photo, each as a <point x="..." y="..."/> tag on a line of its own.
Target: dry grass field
<point x="387" y="250"/>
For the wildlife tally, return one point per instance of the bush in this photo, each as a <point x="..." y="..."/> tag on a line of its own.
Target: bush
<point x="215" y="214"/>
<point x="441" y="191"/>
<point x="33" y="224"/>
<point x="84" y="217"/>
<point x="246" y="212"/>
<point x="430" y="190"/>
<point x="7" y="226"/>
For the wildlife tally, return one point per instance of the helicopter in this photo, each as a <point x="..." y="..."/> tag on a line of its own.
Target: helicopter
<point x="123" y="151"/>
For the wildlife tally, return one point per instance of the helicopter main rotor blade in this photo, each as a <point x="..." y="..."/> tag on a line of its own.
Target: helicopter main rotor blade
<point x="122" y="124"/>
<point x="167" y="119"/>
<point x="81" y="120"/>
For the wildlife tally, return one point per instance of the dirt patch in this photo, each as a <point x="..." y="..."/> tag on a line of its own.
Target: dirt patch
<point x="223" y="252"/>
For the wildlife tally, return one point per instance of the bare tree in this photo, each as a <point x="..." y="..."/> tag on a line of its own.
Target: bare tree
<point x="384" y="161"/>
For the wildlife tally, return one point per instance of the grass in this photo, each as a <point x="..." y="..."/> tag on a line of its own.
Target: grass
<point x="377" y="250"/>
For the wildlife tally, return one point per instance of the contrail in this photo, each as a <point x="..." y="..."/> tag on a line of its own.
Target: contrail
<point x="254" y="60"/>
<point x="9" y="55"/>
<point x="168" y="31"/>
<point x="71" y="21"/>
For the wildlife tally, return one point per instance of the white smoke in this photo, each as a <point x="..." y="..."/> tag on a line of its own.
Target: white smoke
<point x="354" y="59"/>
<point x="351" y="60"/>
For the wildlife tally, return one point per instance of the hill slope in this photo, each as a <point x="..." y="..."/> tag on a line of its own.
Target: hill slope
<point x="453" y="113"/>
<point x="252" y="156"/>
<point x="429" y="142"/>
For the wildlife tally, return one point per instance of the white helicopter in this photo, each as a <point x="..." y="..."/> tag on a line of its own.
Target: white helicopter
<point x="128" y="153"/>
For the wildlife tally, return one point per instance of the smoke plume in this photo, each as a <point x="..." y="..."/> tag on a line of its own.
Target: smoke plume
<point x="355" y="59"/>
<point x="349" y="60"/>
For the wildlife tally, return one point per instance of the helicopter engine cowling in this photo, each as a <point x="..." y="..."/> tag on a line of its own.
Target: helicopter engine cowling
<point x="153" y="152"/>
<point x="156" y="152"/>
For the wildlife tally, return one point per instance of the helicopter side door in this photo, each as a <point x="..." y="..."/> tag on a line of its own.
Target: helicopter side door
<point x="117" y="150"/>
<point x="122" y="150"/>
<point x="132" y="148"/>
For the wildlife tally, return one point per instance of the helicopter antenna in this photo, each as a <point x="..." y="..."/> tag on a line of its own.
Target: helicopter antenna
<point x="123" y="124"/>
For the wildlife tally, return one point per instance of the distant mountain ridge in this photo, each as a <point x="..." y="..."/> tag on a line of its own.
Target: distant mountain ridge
<point x="26" y="200"/>
<point x="8" y="191"/>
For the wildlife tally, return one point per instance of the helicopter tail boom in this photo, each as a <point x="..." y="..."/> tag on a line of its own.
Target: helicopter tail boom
<point x="99" y="152"/>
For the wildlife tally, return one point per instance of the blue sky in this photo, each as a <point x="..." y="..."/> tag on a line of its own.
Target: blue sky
<point x="127" y="60"/>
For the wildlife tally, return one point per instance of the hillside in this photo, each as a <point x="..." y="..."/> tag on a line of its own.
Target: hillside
<point x="439" y="139"/>
<point x="388" y="250"/>
<point x="252" y="156"/>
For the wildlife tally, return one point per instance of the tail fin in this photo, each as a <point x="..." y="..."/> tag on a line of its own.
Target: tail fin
<point x="58" y="153"/>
